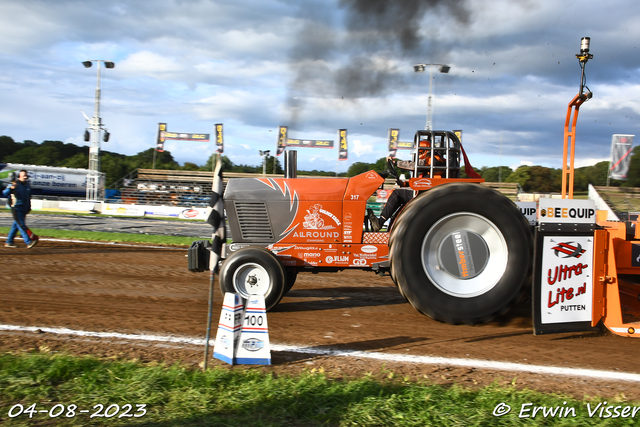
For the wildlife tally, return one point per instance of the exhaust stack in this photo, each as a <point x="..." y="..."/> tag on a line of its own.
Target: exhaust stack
<point x="291" y="164"/>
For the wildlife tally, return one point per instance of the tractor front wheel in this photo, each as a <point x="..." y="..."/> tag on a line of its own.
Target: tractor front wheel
<point x="461" y="253"/>
<point x="254" y="271"/>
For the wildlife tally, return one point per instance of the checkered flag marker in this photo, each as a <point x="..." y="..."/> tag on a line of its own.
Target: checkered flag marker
<point x="216" y="217"/>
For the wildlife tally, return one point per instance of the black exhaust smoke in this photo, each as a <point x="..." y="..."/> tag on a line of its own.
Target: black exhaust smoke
<point x="366" y="59"/>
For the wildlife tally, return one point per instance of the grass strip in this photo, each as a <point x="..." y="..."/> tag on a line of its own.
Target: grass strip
<point x="180" y="396"/>
<point x="110" y="237"/>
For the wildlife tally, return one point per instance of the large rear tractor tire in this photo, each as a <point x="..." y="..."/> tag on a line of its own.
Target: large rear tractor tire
<point x="254" y="271"/>
<point x="461" y="253"/>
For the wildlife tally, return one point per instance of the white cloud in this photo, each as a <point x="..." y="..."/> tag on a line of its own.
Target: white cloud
<point x="151" y="64"/>
<point x="359" y="147"/>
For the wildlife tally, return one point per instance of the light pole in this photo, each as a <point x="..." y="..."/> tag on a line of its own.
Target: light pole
<point x="95" y="125"/>
<point x="265" y="154"/>
<point x="420" y="68"/>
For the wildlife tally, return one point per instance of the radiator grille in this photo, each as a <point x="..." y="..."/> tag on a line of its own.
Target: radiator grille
<point x="253" y="219"/>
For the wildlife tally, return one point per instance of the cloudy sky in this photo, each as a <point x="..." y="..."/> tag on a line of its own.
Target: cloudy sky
<point x="320" y="65"/>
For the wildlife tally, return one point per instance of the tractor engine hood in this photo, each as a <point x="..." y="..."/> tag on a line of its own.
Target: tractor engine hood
<point x="266" y="210"/>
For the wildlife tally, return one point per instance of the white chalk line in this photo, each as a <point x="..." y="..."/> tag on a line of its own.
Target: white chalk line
<point x="92" y="242"/>
<point x="386" y="357"/>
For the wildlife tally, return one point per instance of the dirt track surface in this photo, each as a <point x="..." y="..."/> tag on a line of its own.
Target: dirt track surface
<point x="143" y="290"/>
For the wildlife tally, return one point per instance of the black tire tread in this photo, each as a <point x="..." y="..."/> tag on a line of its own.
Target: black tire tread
<point x="442" y="195"/>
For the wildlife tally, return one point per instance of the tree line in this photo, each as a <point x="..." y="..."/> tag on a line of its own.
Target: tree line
<point x="116" y="166"/>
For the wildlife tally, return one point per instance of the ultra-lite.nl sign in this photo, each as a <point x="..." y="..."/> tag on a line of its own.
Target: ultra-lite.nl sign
<point x="563" y="277"/>
<point x="567" y="279"/>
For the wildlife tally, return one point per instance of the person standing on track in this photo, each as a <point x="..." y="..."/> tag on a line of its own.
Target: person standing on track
<point x="18" y="195"/>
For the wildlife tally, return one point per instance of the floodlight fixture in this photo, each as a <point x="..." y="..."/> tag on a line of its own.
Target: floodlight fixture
<point x="584" y="45"/>
<point x="584" y="56"/>
<point x="87" y="64"/>
<point x="421" y="68"/>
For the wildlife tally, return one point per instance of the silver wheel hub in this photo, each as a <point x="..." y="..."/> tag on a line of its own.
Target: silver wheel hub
<point x="464" y="254"/>
<point x="251" y="279"/>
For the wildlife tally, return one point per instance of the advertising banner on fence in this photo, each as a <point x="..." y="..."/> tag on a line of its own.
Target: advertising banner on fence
<point x="342" y="136"/>
<point x="124" y="210"/>
<point x="154" y="211"/>
<point x="194" y="213"/>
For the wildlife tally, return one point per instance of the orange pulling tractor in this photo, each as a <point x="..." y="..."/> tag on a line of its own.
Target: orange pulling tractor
<point x="458" y="252"/>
